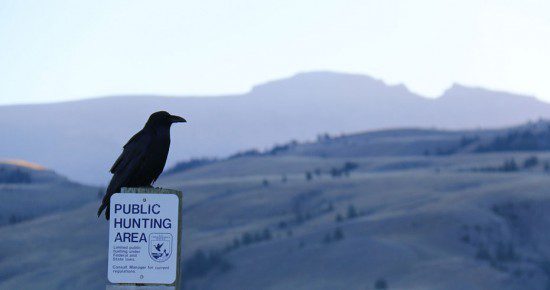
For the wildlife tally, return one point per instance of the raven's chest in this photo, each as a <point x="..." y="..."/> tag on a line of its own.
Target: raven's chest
<point x="159" y="149"/>
<point x="155" y="159"/>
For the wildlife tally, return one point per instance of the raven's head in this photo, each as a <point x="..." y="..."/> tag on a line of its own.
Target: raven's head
<point x="163" y="118"/>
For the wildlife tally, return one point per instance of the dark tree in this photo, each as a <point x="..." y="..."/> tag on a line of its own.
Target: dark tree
<point x="317" y="171"/>
<point x="530" y="162"/>
<point x="483" y="253"/>
<point x="338" y="234"/>
<point x="349" y="166"/>
<point x="248" y="153"/>
<point x="201" y="264"/>
<point x="190" y="164"/>
<point x="13" y="219"/>
<point x="247" y="239"/>
<point x="380" y="284"/>
<point x="510" y="165"/>
<point x="266" y="234"/>
<point x="352" y="213"/>
<point x="327" y="239"/>
<point x="236" y="243"/>
<point x="14" y="176"/>
<point x="323" y="137"/>
<point x="257" y="237"/>
<point x="197" y="265"/>
<point x="335" y="172"/>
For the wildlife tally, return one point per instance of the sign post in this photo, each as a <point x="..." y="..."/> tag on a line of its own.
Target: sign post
<point x="145" y="239"/>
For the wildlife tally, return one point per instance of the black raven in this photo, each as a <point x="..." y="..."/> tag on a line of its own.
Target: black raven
<point x="143" y="157"/>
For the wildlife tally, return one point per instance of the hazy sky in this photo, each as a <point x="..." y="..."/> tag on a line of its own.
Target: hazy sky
<point x="62" y="50"/>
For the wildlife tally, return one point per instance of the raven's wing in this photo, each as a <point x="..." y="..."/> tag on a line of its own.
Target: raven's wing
<point x="135" y="147"/>
<point x="128" y="163"/>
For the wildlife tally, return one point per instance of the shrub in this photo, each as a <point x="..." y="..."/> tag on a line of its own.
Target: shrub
<point x="349" y="166"/>
<point x="338" y="234"/>
<point x="14" y="219"/>
<point x="190" y="164"/>
<point x="531" y="162"/>
<point x="510" y="165"/>
<point x="380" y="284"/>
<point x="266" y="234"/>
<point x="247" y="239"/>
<point x="327" y="239"/>
<point x="352" y="213"/>
<point x="201" y="264"/>
<point x="14" y="176"/>
<point x="483" y="253"/>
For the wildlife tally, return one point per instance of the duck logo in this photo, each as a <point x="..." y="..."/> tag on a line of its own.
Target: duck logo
<point x="160" y="247"/>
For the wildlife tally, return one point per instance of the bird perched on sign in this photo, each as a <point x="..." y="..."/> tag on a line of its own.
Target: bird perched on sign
<point x="143" y="157"/>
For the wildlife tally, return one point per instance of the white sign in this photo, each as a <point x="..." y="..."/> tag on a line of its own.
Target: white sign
<point x="143" y="238"/>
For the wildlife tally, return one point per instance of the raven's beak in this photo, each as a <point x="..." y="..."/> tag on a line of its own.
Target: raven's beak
<point x="177" y="119"/>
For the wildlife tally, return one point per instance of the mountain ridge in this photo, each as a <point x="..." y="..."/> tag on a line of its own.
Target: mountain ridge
<point x="259" y="87"/>
<point x="80" y="139"/>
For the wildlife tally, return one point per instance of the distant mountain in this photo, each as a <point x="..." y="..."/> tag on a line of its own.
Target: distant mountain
<point x="81" y="139"/>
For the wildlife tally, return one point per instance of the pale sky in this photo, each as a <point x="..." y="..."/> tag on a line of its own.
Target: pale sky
<point x="64" y="50"/>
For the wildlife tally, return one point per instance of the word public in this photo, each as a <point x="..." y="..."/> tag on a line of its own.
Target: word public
<point x="137" y="223"/>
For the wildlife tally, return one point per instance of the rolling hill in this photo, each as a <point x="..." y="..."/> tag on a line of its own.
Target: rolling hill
<point x="411" y="221"/>
<point x="29" y="191"/>
<point x="531" y="136"/>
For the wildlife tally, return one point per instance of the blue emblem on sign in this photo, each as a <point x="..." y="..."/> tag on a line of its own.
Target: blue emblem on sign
<point x="160" y="247"/>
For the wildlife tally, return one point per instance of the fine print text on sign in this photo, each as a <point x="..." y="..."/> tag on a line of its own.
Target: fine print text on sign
<point x="143" y="238"/>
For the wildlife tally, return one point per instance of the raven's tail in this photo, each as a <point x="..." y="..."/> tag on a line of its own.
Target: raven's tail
<point x="100" y="210"/>
<point x="114" y="186"/>
<point x="105" y="204"/>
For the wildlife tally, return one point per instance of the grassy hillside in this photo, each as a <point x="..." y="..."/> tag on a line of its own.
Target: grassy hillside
<point x="531" y="136"/>
<point x="263" y="222"/>
<point x="29" y="192"/>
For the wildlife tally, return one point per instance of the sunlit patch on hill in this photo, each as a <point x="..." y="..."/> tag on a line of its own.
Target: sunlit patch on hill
<point x="23" y="163"/>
